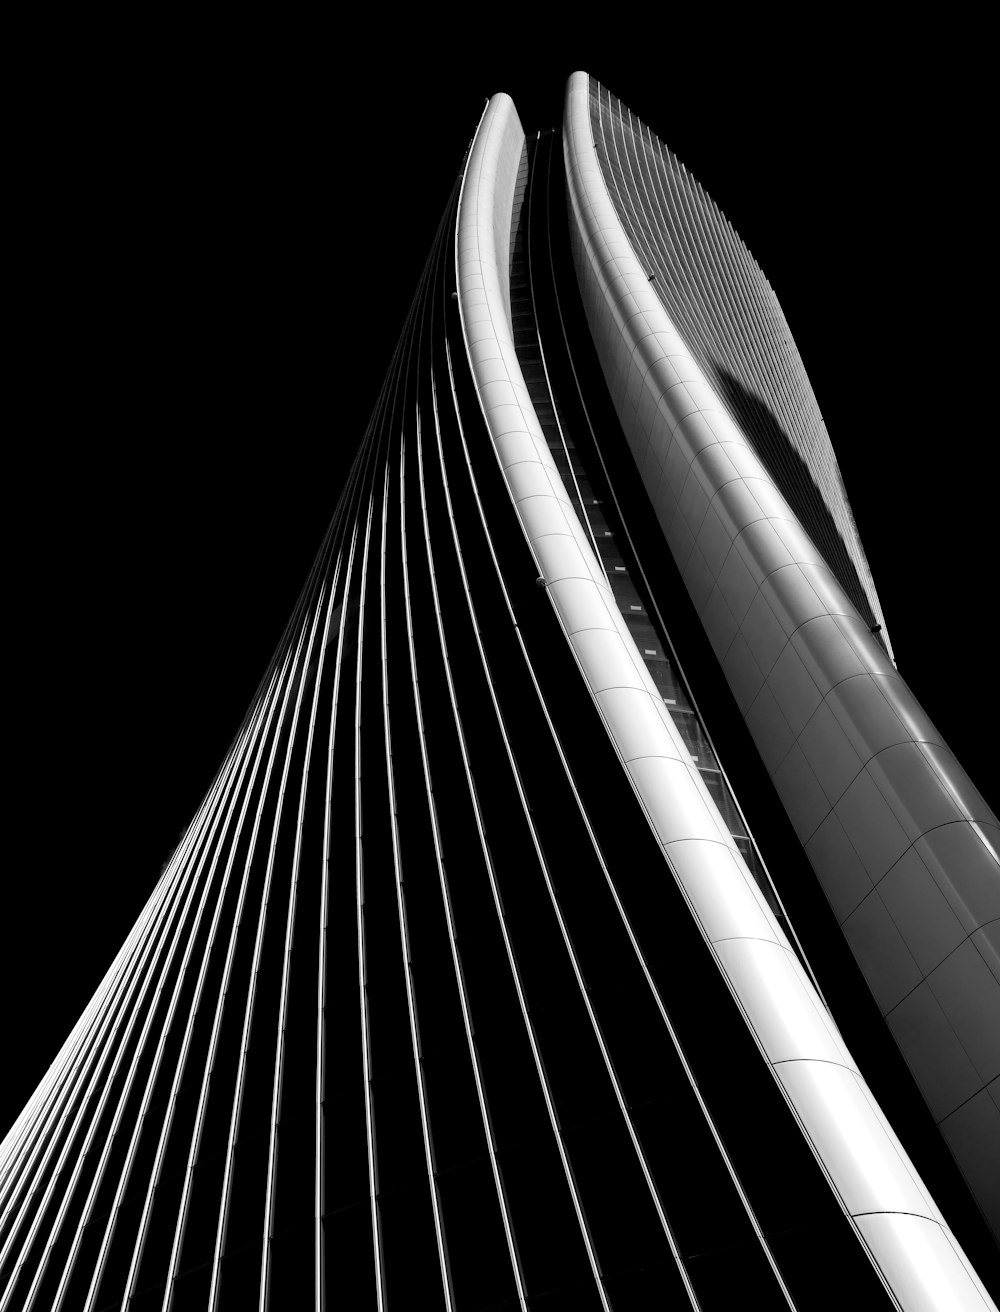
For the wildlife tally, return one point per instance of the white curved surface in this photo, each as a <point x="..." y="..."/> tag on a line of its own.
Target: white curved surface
<point x="779" y="1003"/>
<point x="727" y="312"/>
<point x="901" y="841"/>
<point x="919" y="1261"/>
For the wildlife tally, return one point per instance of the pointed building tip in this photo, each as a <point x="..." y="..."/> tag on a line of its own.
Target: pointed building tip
<point x="500" y="100"/>
<point x="576" y="83"/>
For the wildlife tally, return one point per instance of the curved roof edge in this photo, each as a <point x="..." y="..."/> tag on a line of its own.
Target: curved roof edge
<point x="663" y="400"/>
<point x="722" y="304"/>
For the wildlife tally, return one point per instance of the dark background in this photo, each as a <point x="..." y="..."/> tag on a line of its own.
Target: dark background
<point x="222" y="232"/>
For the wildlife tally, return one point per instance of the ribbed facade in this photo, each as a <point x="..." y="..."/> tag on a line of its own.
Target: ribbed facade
<point x="732" y="323"/>
<point x="904" y="846"/>
<point x="468" y="985"/>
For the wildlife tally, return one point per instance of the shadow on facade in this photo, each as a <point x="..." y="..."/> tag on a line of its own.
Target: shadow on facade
<point x="795" y="482"/>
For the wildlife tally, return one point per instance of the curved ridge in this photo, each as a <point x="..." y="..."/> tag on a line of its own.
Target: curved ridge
<point x="731" y="321"/>
<point x="666" y="404"/>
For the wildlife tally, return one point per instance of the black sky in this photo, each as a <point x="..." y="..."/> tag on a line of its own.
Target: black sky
<point x="224" y="247"/>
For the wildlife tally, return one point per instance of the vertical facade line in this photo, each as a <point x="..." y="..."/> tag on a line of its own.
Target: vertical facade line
<point x="275" y="701"/>
<point x="330" y="600"/>
<point x="483" y="1106"/>
<point x="505" y="934"/>
<point x="319" y="1202"/>
<point x="208" y="872"/>
<point x="300" y="663"/>
<point x="366" y="1059"/>
<point x="404" y="935"/>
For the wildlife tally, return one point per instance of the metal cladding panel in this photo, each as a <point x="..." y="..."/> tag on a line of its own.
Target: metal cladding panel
<point x="866" y="780"/>
<point x="920" y="1261"/>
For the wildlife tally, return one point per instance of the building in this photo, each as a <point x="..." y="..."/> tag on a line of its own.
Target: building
<point x="590" y="1064"/>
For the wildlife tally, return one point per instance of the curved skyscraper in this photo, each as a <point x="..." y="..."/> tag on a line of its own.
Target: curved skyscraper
<point x="480" y="979"/>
